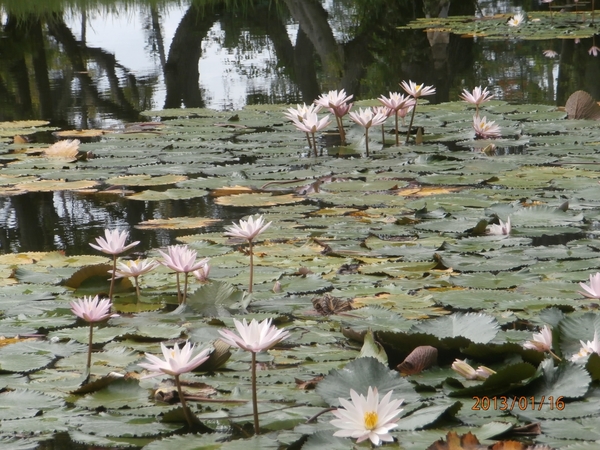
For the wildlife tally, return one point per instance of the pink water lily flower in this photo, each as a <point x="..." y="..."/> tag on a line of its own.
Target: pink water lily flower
<point x="135" y="268"/>
<point x="477" y="97"/>
<point x="338" y="103"/>
<point x="367" y="418"/>
<point x="591" y="290"/>
<point x="367" y="118"/>
<point x="176" y="361"/>
<point x="302" y="111"/>
<point x="463" y="368"/>
<point x="92" y="309"/>
<point x="114" y="242"/>
<point x="542" y="341"/>
<point x="485" y="129"/>
<point x="503" y="229"/>
<point x="550" y="53"/>
<point x="254" y="336"/>
<point x="248" y="229"/>
<point x="594" y="51"/>
<point x="335" y="101"/>
<point x="181" y="258"/>
<point x="417" y="90"/>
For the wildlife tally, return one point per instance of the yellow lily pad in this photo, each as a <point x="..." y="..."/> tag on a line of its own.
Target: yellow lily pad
<point x="176" y="223"/>
<point x="81" y="133"/>
<point x="146" y="180"/>
<point x="55" y="185"/>
<point x="258" y="199"/>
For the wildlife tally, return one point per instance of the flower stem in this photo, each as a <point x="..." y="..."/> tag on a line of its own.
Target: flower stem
<point x="555" y="355"/>
<point x="367" y="140"/>
<point x="412" y="117"/>
<point x="137" y="288"/>
<point x="308" y="139"/>
<point x="178" y="288"/>
<point x="254" y="400"/>
<point x="382" y="136"/>
<point x="186" y="411"/>
<point x="397" y="138"/>
<point x="251" y="282"/>
<point x="314" y="145"/>
<point x="112" y="280"/>
<point x="89" y="355"/>
<point x="185" y="287"/>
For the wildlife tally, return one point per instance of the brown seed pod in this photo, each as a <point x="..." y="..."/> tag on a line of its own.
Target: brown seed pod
<point x="418" y="360"/>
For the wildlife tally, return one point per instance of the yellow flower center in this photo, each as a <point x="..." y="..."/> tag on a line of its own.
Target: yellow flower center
<point x="370" y="419"/>
<point x="418" y="87"/>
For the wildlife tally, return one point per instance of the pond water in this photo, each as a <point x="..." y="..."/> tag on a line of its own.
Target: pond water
<point x="99" y="64"/>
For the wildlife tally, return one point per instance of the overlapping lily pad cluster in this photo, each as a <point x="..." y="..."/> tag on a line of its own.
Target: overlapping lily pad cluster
<point x="396" y="248"/>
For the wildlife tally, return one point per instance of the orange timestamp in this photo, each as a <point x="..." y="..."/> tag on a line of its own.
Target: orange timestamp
<point x="522" y="403"/>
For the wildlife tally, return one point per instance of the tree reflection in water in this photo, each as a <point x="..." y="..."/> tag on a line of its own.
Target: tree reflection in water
<point x="47" y="72"/>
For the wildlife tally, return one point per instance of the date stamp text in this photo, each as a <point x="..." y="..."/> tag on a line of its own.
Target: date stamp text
<point x="522" y="403"/>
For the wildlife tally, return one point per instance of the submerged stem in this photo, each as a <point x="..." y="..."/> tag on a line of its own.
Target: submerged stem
<point x="178" y="288"/>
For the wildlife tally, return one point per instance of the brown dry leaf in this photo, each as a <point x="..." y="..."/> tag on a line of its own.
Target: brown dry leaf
<point x="81" y="133"/>
<point x="176" y="223"/>
<point x="455" y="442"/>
<point x="421" y="358"/>
<point x="514" y="445"/>
<point x="63" y="149"/>
<point x="18" y="139"/>
<point x="309" y="384"/>
<point x="581" y="105"/>
<point x="7" y="341"/>
<point x="328" y="304"/>
<point x="231" y="190"/>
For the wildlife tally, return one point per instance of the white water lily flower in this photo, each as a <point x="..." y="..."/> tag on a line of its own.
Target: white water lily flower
<point x="367" y="418"/>
<point x="502" y="229"/>
<point x="176" y="362"/>
<point x="114" y="242"/>
<point x="587" y="348"/>
<point x="516" y="20"/>
<point x="591" y="290"/>
<point x="248" y="229"/>
<point x="254" y="336"/>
